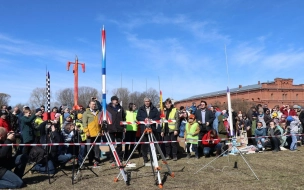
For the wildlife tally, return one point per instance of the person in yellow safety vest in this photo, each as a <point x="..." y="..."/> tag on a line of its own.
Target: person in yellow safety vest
<point x="170" y="130"/>
<point x="191" y="135"/>
<point x="131" y="129"/>
<point x="37" y="122"/>
<point x="82" y="137"/>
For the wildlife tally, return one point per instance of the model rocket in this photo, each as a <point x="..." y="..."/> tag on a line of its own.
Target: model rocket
<point x="161" y="107"/>
<point x="105" y="115"/>
<point x="229" y="111"/>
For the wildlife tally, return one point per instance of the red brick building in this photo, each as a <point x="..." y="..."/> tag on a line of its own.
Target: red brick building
<point x="278" y="92"/>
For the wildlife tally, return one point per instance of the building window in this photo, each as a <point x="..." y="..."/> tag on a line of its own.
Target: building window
<point x="283" y="96"/>
<point x="271" y="96"/>
<point x="296" y="96"/>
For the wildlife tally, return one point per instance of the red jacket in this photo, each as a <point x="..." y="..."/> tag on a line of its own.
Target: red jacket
<point x="4" y="123"/>
<point x="206" y="138"/>
<point x="292" y="112"/>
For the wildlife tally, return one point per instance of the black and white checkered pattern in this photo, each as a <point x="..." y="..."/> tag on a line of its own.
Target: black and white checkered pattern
<point x="48" y="92"/>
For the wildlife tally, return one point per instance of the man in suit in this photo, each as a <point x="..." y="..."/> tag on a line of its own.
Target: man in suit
<point x="205" y="118"/>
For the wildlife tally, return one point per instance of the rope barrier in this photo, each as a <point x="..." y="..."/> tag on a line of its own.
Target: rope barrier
<point x="115" y="143"/>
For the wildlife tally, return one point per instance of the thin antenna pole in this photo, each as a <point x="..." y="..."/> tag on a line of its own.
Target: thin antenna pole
<point x="158" y="83"/>
<point x="146" y="86"/>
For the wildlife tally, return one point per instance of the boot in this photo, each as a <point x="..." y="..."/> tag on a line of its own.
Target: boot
<point x="218" y="152"/>
<point x="188" y="155"/>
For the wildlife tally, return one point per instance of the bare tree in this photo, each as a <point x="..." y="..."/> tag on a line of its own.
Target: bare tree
<point x="4" y="98"/>
<point x="137" y="98"/>
<point x="153" y="95"/>
<point x="85" y="93"/>
<point x="20" y="106"/>
<point x="38" y="97"/>
<point x="65" y="97"/>
<point x="239" y="105"/>
<point x="123" y="95"/>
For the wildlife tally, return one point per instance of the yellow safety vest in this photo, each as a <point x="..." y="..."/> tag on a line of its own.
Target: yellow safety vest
<point x="171" y="125"/>
<point x="131" y="117"/>
<point x="189" y="138"/>
<point x="83" y="135"/>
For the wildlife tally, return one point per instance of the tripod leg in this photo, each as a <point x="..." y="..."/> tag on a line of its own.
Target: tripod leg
<point x="86" y="156"/>
<point x="118" y="163"/>
<point x="248" y="165"/>
<point x="155" y="161"/>
<point x="135" y="147"/>
<point x="163" y="157"/>
<point x="211" y="161"/>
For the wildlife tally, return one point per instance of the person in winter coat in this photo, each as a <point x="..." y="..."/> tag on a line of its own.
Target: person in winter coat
<point x="211" y="142"/>
<point x="170" y="130"/>
<point x="217" y="113"/>
<point x="294" y="129"/>
<point x="4" y="121"/>
<point x="191" y="135"/>
<point x="146" y="113"/>
<point x="27" y="132"/>
<point x="115" y="129"/>
<point x="286" y="110"/>
<point x="9" y="179"/>
<point x="92" y="128"/>
<point x="275" y="137"/>
<point x="260" y="134"/>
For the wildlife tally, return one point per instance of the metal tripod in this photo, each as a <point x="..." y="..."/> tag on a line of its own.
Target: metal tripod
<point x="154" y="161"/>
<point x="235" y="150"/>
<point x="115" y="155"/>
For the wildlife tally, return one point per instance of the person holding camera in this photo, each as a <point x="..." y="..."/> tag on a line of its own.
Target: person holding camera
<point x="4" y="121"/>
<point x="211" y="142"/>
<point x="8" y="179"/>
<point x="28" y="129"/>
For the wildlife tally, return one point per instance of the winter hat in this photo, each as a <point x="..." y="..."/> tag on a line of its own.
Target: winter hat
<point x="295" y="106"/>
<point x="57" y="115"/>
<point x="191" y="116"/>
<point x="65" y="115"/>
<point x="274" y="114"/>
<point x="224" y="111"/>
<point x="289" y="118"/>
<point x="114" y="98"/>
<point x="38" y="110"/>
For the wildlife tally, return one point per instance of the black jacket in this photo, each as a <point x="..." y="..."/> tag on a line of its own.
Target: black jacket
<point x="209" y="117"/>
<point x="142" y="115"/>
<point x="118" y="114"/>
<point x="5" y="157"/>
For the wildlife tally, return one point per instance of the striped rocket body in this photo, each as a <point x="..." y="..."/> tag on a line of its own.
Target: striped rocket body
<point x="48" y="94"/>
<point x="230" y="112"/>
<point x="103" y="72"/>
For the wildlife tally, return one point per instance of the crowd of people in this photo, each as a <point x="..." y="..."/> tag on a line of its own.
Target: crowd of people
<point x="204" y="128"/>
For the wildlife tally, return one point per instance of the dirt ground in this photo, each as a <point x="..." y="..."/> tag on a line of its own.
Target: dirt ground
<point x="281" y="170"/>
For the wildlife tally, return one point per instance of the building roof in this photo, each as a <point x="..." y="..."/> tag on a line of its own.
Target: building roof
<point x="222" y="92"/>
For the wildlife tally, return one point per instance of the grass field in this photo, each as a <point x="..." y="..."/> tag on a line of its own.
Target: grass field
<point x="282" y="170"/>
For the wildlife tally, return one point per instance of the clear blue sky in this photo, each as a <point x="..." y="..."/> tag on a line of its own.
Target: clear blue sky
<point x="181" y="42"/>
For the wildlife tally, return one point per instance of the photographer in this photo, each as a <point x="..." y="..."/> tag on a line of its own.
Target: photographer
<point x="4" y="121"/>
<point x="9" y="179"/>
<point x="211" y="142"/>
<point x="28" y="129"/>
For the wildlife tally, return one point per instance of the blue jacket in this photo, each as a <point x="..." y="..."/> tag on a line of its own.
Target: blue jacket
<point x="260" y="132"/>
